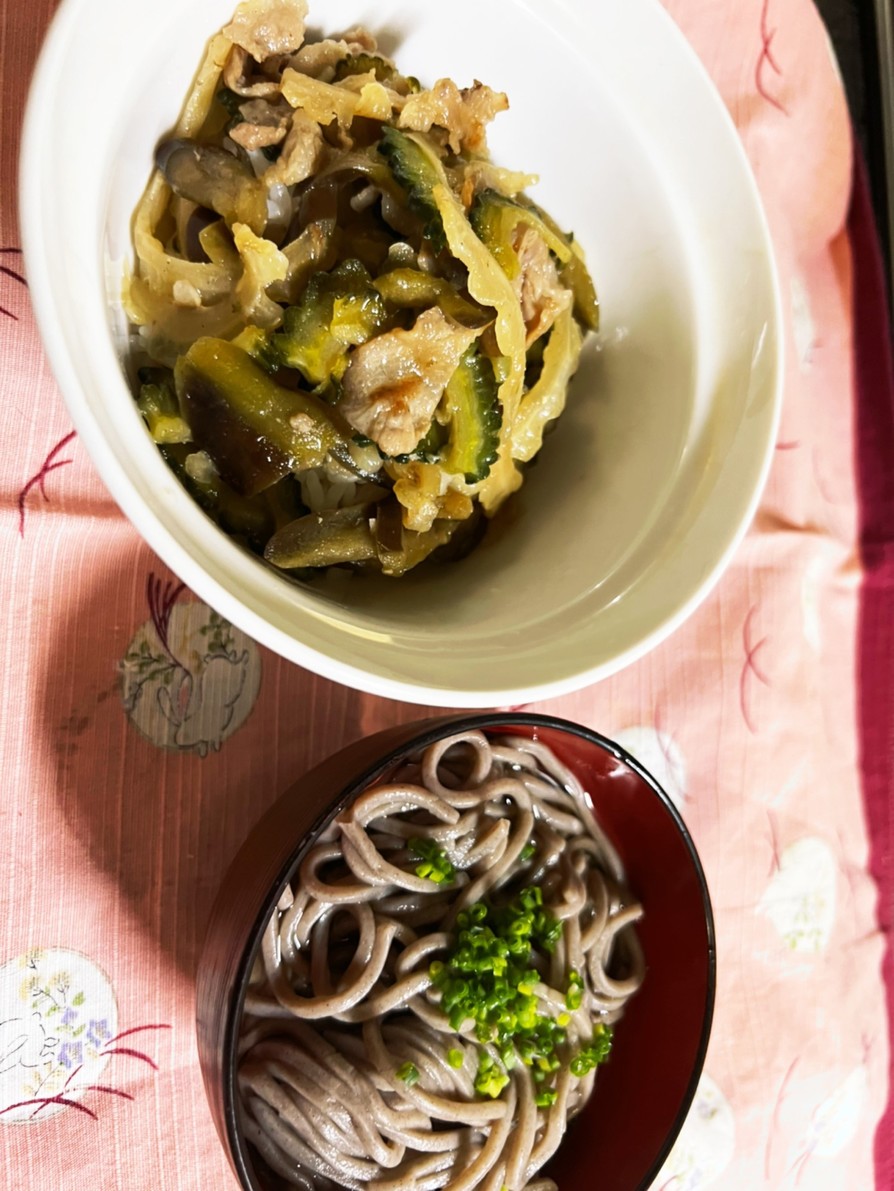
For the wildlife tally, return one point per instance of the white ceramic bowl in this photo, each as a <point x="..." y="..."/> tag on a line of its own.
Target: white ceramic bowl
<point x="646" y="487"/>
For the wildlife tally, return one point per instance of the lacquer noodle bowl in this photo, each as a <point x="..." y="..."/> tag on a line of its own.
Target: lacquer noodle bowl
<point x="642" y="1092"/>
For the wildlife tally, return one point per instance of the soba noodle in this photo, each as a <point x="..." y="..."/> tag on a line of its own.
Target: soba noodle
<point x="360" y="1066"/>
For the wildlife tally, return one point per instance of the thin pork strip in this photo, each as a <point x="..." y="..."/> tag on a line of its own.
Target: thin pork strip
<point x="394" y="382"/>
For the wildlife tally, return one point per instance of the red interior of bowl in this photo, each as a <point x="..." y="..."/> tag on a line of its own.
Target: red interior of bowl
<point x="659" y="1045"/>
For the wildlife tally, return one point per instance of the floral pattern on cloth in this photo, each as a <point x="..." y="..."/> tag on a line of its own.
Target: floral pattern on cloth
<point x="800" y="897"/>
<point x="660" y="754"/>
<point x="58" y="1034"/>
<point x="706" y="1144"/>
<point x="38" y="481"/>
<point x="189" y="678"/>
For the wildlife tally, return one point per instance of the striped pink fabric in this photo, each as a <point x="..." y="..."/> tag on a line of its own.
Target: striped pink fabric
<point x="142" y="736"/>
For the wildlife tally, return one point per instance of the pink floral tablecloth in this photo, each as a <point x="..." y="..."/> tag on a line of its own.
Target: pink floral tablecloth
<point x="142" y="735"/>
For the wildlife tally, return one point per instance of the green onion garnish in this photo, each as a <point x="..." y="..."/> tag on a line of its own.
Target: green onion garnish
<point x="591" y="1056"/>
<point x="490" y="1080"/>
<point x="435" y="864"/>
<point x="488" y="981"/>
<point x="408" y="1073"/>
<point x="575" y="994"/>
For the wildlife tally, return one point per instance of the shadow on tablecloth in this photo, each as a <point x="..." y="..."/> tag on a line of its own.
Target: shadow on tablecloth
<point x="170" y="732"/>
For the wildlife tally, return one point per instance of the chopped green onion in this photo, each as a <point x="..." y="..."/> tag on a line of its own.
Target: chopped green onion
<point x="455" y="1058"/>
<point x="575" y="995"/>
<point x="490" y="1080"/>
<point x="488" y="982"/>
<point x="408" y="1073"/>
<point x="436" y="865"/>
<point x="591" y="1056"/>
<point x="457" y="1018"/>
<point x="547" y="930"/>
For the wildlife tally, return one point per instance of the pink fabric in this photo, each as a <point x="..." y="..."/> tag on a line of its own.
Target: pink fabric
<point x="141" y="737"/>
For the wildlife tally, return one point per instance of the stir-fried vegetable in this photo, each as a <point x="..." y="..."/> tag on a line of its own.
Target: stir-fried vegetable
<point x="412" y="289"/>
<point x="356" y="327"/>
<point x="339" y="310"/>
<point x="157" y="403"/>
<point x="417" y="174"/>
<point x="495" y="217"/>
<point x="215" y="179"/>
<point x="254" y="430"/>
<point x="321" y="539"/>
<point x="470" y="401"/>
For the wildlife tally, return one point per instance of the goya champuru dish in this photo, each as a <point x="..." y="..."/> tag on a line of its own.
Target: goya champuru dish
<point x="351" y="328"/>
<point x="440" y="981"/>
